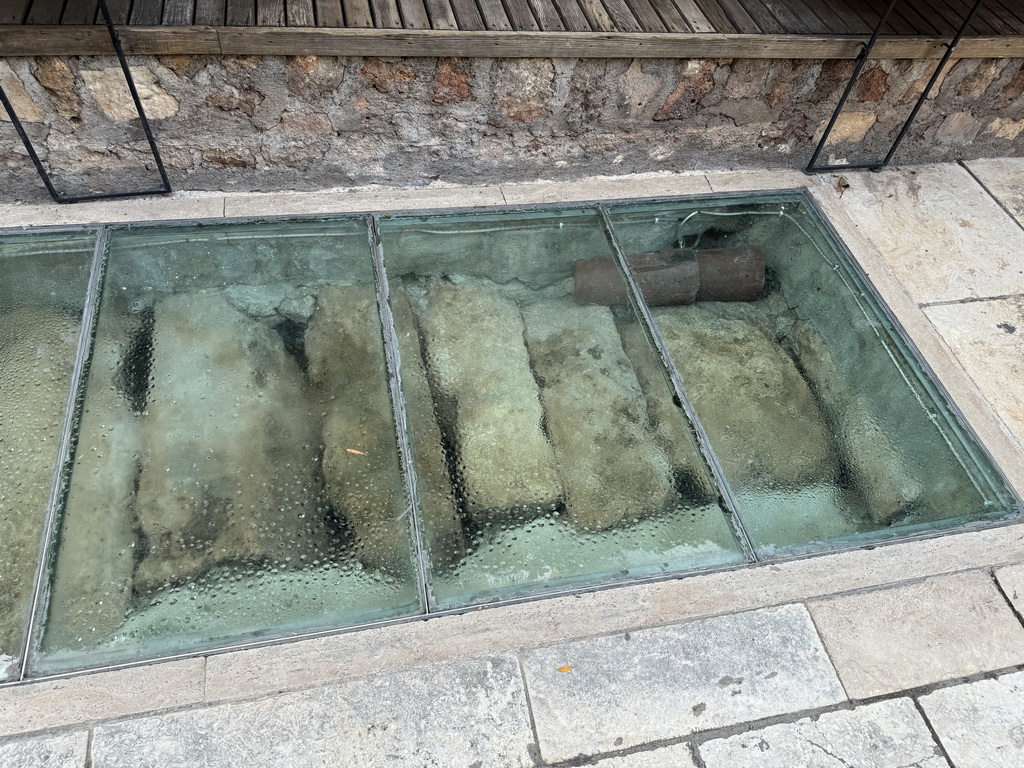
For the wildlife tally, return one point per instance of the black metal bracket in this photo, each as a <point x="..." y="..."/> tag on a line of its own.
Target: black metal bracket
<point x="813" y="167"/>
<point x="165" y="186"/>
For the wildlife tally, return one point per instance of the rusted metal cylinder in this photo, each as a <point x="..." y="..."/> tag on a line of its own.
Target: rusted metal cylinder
<point x="664" y="277"/>
<point x="731" y="274"/>
<point x="675" y="276"/>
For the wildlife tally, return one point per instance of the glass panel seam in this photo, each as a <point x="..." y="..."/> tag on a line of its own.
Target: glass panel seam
<point x="728" y="500"/>
<point x="40" y="589"/>
<point x="398" y="405"/>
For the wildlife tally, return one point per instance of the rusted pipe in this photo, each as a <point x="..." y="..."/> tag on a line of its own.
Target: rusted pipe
<point x="674" y="276"/>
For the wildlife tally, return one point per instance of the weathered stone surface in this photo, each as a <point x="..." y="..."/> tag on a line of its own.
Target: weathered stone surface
<point x="441" y="527"/>
<point x="676" y="756"/>
<point x="871" y="85"/>
<point x="467" y="713"/>
<point x="889" y="734"/>
<point x="638" y="88"/>
<point x="24" y="107"/>
<point x="480" y="372"/>
<point x="229" y="463"/>
<point x="1011" y="580"/>
<point x="453" y="81"/>
<point x="596" y="417"/>
<point x="959" y="128"/>
<point x="695" y="82"/>
<point x="1005" y="129"/>
<point x="92" y="581"/>
<point x="386" y="75"/>
<point x="66" y="750"/>
<point x="101" y="696"/>
<point x="756" y="408"/>
<point x="624" y="690"/>
<point x="880" y="473"/>
<point x="1004" y="178"/>
<point x="234" y="157"/>
<point x="942" y="234"/>
<point x="891" y="640"/>
<point x="110" y="90"/>
<point x="232" y="99"/>
<point x="360" y="459"/>
<point x="851" y="127"/>
<point x="980" y="724"/>
<point x="57" y="78"/>
<point x="666" y="419"/>
<point x="37" y="349"/>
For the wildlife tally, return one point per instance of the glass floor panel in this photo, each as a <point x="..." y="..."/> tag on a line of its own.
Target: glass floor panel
<point x="43" y="281"/>
<point x="292" y="426"/>
<point x="825" y="429"/>
<point x="237" y="470"/>
<point x="547" y="447"/>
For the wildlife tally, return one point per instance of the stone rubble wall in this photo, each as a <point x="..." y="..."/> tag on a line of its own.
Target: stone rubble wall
<point x="272" y="122"/>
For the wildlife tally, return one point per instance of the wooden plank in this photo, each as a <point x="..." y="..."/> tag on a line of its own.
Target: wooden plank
<point x="14" y="11"/>
<point x="765" y="21"/>
<point x="80" y="12"/>
<point x="695" y="17"/>
<point x="521" y="16"/>
<point x="741" y="20"/>
<point x="178" y="13"/>
<point x="716" y="16"/>
<point x="241" y="13"/>
<point x="644" y="12"/>
<point x="299" y="13"/>
<point x="414" y="14"/>
<point x="357" y="14"/>
<point x="670" y="16"/>
<point x="329" y="14"/>
<point x="832" y="22"/>
<point x="853" y="22"/>
<point x="210" y="12"/>
<point x="597" y="15"/>
<point x="93" y="40"/>
<point x="495" y="18"/>
<point x="146" y="13"/>
<point x="1010" y="12"/>
<point x="467" y="15"/>
<point x="791" y="23"/>
<point x="985" y="22"/>
<point x="546" y="14"/>
<point x="624" y="19"/>
<point x="41" y="12"/>
<point x="573" y="17"/>
<point x="441" y="14"/>
<point x="120" y="11"/>
<point x="270" y="13"/>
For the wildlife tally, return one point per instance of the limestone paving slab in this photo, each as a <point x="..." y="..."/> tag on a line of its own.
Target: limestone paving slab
<point x="1004" y="178"/>
<point x="606" y="188"/>
<point x="894" y="639"/>
<point x="285" y="666"/>
<point x="1011" y="579"/>
<point x="156" y="208"/>
<point x="471" y="713"/>
<point x="980" y="725"/>
<point x="65" y="750"/>
<point x="988" y="339"/>
<point x="675" y="756"/>
<point x="360" y="199"/>
<point x="620" y="691"/>
<point x="759" y="180"/>
<point x="889" y="734"/>
<point x="100" y="696"/>
<point x="942" y="233"/>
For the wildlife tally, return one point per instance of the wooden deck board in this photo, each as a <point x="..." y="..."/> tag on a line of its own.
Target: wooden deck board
<point x="624" y="28"/>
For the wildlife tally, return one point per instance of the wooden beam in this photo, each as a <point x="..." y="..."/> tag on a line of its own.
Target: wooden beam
<point x="18" y="40"/>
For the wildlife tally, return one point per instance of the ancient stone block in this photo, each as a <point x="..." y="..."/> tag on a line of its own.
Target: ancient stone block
<point x="638" y="88"/>
<point x="1005" y="129"/>
<point x="232" y="99"/>
<point x="110" y="89"/>
<point x="747" y="79"/>
<point x="983" y="74"/>
<point x="57" y="78"/>
<point x="879" y="472"/>
<point x="360" y="453"/>
<point x="37" y="347"/>
<point x="871" y="85"/>
<point x="441" y="527"/>
<point x="24" y="107"/>
<point x="386" y="76"/>
<point x="959" y="128"/>
<point x="758" y="411"/>
<point x="92" y="582"/>
<point x="452" y="82"/>
<point x="851" y="127"/>
<point x="480" y="370"/>
<point x="229" y="449"/>
<point x="611" y="467"/>
<point x="695" y="82"/>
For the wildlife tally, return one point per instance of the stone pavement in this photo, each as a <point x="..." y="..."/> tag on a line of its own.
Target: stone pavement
<point x="907" y="654"/>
